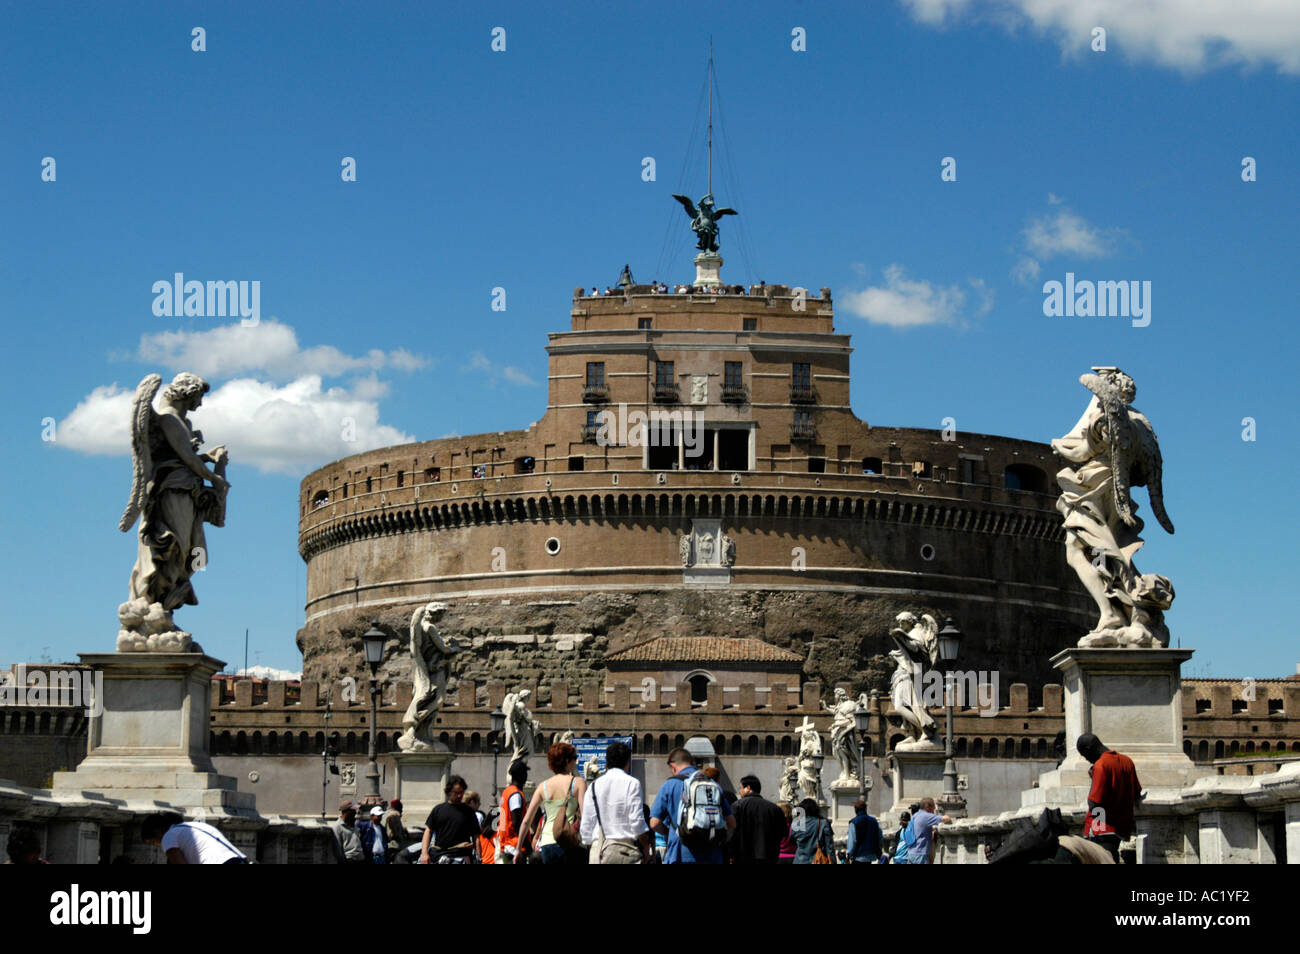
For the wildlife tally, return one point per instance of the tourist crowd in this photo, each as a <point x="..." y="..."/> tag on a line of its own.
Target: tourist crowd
<point x="569" y="819"/>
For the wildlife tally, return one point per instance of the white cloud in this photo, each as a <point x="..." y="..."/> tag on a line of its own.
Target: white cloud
<point x="1061" y="232"/>
<point x="1188" y="35"/>
<point x="1064" y="233"/>
<point x="267" y="672"/>
<point x="482" y="367"/>
<point x="269" y="347"/>
<point x="288" y="428"/>
<point x="288" y="424"/>
<point x="904" y="303"/>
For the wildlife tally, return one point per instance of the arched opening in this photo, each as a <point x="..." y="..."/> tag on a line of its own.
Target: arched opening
<point x="1025" y="477"/>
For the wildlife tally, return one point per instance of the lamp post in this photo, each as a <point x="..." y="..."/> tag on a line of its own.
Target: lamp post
<point x="498" y="726"/>
<point x="949" y="645"/>
<point x="373" y="640"/>
<point x="328" y="760"/>
<point x="862" y="724"/>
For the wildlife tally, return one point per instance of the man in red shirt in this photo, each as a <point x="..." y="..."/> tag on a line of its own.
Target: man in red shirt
<point x="1114" y="793"/>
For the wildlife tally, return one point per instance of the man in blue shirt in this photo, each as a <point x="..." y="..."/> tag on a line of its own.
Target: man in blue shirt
<point x="864" y="836"/>
<point x="923" y="825"/>
<point x="663" y="813"/>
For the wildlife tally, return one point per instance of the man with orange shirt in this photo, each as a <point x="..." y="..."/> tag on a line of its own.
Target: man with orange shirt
<point x="1114" y="793"/>
<point x="512" y="813"/>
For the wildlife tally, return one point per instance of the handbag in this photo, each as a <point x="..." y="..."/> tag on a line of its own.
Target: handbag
<point x="562" y="830"/>
<point x="820" y="857"/>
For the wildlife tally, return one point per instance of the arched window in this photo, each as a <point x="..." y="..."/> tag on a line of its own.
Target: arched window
<point x="699" y="682"/>
<point x="1025" y="477"/>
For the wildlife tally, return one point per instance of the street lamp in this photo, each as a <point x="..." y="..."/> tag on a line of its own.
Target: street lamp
<point x="373" y="640"/>
<point x="862" y="723"/>
<point x="498" y="726"/>
<point x="949" y="644"/>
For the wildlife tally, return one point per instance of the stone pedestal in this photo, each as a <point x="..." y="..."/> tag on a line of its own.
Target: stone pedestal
<point x="150" y="744"/>
<point x="844" y="792"/>
<point x="917" y="772"/>
<point x="1131" y="699"/>
<point x="708" y="268"/>
<point x="421" y="781"/>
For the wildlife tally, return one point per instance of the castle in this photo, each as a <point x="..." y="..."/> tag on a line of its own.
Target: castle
<point x="752" y="503"/>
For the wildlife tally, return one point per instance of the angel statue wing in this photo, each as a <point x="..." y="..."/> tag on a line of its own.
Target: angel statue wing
<point x="142" y="425"/>
<point x="930" y="638"/>
<point x="686" y="202"/>
<point x="508" y="709"/>
<point x="719" y="213"/>
<point x="1145" y="467"/>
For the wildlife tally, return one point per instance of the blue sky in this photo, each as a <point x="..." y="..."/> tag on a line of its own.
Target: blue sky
<point x="522" y="169"/>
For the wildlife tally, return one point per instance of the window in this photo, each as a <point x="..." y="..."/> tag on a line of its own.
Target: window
<point x="595" y="374"/>
<point x="575" y="463"/>
<point x="432" y="475"/>
<point x="734" y="376"/>
<point x="591" y="419"/>
<point x="643" y="323"/>
<point x="816" y="465"/>
<point x="700" y="689"/>
<point x="802" y="418"/>
<point x="751" y="324"/>
<point x="801" y="376"/>
<point x="401" y="478"/>
<point x="664" y="377"/>
<point x="966" y="470"/>
<point x="1026" y="477"/>
<point x="872" y="465"/>
<point x="525" y="465"/>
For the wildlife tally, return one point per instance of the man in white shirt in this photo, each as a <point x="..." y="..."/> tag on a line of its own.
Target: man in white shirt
<point x="189" y="843"/>
<point x="616" y="806"/>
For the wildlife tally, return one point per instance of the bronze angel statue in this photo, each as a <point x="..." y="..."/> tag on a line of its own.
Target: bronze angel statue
<point x="1109" y="452"/>
<point x="174" y="491"/>
<point x="704" y="220"/>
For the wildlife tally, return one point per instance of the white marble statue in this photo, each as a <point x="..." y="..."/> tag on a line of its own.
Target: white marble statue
<point x="430" y="654"/>
<point x="522" y="730"/>
<point x="175" y="490"/>
<point x="788" y="791"/>
<point x="844" y="735"/>
<point x="916" y="649"/>
<point x="810" y="761"/>
<point x="1111" y="450"/>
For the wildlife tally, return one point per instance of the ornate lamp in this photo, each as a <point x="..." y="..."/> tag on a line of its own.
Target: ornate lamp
<point x="498" y="725"/>
<point x="949" y="642"/>
<point x="373" y="641"/>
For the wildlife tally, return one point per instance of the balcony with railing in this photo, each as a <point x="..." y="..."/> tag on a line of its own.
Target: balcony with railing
<point x="666" y="394"/>
<point x="595" y="394"/>
<point x="802" y="395"/>
<point x="589" y="432"/>
<point x="738" y="394"/>
<point x="803" y="431"/>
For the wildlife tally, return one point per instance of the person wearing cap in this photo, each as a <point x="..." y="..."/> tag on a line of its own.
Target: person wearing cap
<point x="373" y="841"/>
<point x="347" y="844"/>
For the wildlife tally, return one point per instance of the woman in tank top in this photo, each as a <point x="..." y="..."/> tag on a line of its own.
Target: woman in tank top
<point x="563" y="792"/>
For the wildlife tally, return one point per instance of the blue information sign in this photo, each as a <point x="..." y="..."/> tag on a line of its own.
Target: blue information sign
<point x="595" y="748"/>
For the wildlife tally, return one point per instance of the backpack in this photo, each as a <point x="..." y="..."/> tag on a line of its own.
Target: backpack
<point x="1031" y="840"/>
<point x="701" y="823"/>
